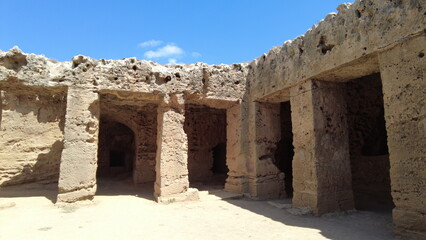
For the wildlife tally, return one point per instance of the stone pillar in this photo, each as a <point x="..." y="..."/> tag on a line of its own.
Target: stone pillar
<point x="77" y="178"/>
<point x="403" y="72"/>
<point x="235" y="154"/>
<point x="266" y="181"/>
<point x="321" y="165"/>
<point x="172" y="182"/>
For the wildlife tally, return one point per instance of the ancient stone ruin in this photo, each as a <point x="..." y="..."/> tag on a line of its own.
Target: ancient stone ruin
<point x="335" y="119"/>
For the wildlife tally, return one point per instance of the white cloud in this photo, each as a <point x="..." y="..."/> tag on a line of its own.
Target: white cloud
<point x="196" y="54"/>
<point x="173" y="61"/>
<point x="150" y="43"/>
<point x="166" y="51"/>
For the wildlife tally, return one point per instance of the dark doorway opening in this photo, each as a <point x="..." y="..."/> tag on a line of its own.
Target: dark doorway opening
<point x="206" y="131"/>
<point x="117" y="158"/>
<point x="127" y="145"/>
<point x="219" y="159"/>
<point x="116" y="152"/>
<point x="285" y="150"/>
<point x="368" y="144"/>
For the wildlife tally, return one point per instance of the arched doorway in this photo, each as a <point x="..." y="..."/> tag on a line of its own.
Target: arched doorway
<point x="116" y="152"/>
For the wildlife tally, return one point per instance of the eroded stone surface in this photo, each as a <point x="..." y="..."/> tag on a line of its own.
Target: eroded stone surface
<point x="77" y="179"/>
<point x="343" y="46"/>
<point x="48" y="105"/>
<point x="403" y="70"/>
<point x="172" y="157"/>
<point x="321" y="168"/>
<point x="31" y="134"/>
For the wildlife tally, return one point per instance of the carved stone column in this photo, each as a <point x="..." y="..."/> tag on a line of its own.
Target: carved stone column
<point x="77" y="178"/>
<point x="172" y="182"/>
<point x="403" y="73"/>
<point x="266" y="181"/>
<point x="235" y="155"/>
<point x="322" y="178"/>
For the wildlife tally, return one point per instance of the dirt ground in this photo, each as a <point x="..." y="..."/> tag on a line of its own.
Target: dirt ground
<point x="121" y="211"/>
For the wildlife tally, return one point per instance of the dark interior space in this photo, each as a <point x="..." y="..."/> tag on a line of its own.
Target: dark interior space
<point x="285" y="150"/>
<point x="127" y="145"/>
<point x="219" y="159"/>
<point x="206" y="131"/>
<point x="117" y="158"/>
<point x="368" y="144"/>
<point x="116" y="150"/>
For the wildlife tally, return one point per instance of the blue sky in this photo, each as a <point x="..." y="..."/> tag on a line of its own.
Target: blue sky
<point x="179" y="31"/>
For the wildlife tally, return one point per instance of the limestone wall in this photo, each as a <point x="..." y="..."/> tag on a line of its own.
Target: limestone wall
<point x="403" y="70"/>
<point x="343" y="46"/>
<point x="31" y="134"/>
<point x="363" y="38"/>
<point x="201" y="81"/>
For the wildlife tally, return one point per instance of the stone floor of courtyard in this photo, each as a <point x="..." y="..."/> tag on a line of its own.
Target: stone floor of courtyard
<point x="122" y="211"/>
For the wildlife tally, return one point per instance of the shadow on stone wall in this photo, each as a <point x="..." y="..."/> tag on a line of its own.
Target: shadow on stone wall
<point x="44" y="172"/>
<point x="48" y="105"/>
<point x="30" y="120"/>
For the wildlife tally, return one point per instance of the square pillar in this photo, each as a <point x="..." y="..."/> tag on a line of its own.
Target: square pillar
<point x="235" y="155"/>
<point x="77" y="177"/>
<point x="266" y="181"/>
<point x="322" y="178"/>
<point x="172" y="182"/>
<point x="403" y="73"/>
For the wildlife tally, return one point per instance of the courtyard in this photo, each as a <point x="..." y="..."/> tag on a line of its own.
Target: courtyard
<point x="122" y="211"/>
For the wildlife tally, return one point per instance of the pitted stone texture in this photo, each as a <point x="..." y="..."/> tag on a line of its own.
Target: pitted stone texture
<point x="236" y="149"/>
<point x="223" y="82"/>
<point x="403" y="70"/>
<point x="321" y="165"/>
<point x="350" y="44"/>
<point x="172" y="158"/>
<point x="265" y="181"/>
<point x="343" y="46"/>
<point x="77" y="180"/>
